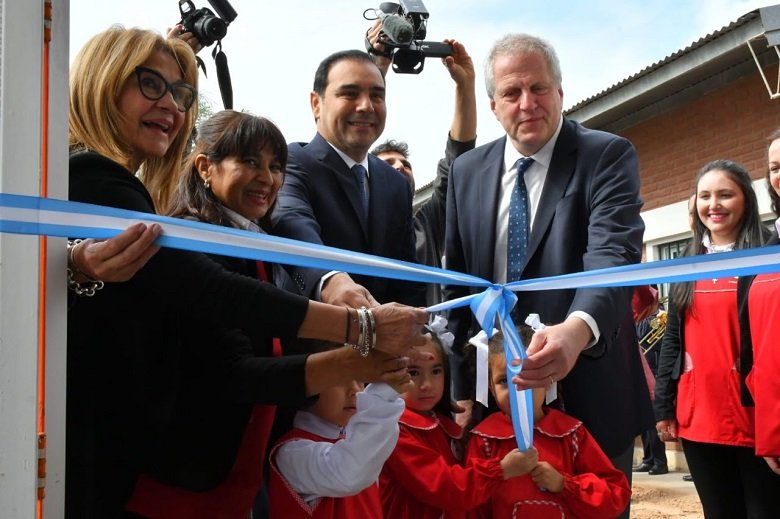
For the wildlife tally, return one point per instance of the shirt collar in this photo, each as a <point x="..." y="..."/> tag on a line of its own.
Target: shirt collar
<point x="543" y="156"/>
<point x="314" y="424"/>
<point x="711" y="247"/>
<point x="240" y="222"/>
<point x="350" y="161"/>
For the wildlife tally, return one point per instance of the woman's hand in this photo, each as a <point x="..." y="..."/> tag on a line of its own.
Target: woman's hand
<point x="399" y="328"/>
<point x="774" y="464"/>
<point x="119" y="258"/>
<point x="667" y="430"/>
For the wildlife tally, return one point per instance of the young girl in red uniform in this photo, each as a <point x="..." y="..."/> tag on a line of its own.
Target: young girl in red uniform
<point x="423" y="477"/>
<point x="573" y="477"/>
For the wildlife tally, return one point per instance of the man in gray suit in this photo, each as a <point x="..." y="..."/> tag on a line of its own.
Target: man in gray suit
<point x="580" y="211"/>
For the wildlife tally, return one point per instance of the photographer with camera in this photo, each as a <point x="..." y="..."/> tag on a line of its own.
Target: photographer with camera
<point x="429" y="218"/>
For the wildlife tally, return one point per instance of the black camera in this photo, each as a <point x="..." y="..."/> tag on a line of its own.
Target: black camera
<point x="203" y="23"/>
<point x="407" y="37"/>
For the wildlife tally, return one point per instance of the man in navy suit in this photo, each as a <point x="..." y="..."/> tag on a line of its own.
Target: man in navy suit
<point x="322" y="199"/>
<point x="583" y="213"/>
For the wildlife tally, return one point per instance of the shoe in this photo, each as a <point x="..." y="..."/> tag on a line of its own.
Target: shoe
<point x="642" y="467"/>
<point x="657" y="470"/>
<point x="687" y="477"/>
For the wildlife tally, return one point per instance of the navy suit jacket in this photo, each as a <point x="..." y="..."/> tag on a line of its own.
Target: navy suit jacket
<point x="320" y="203"/>
<point x="587" y="218"/>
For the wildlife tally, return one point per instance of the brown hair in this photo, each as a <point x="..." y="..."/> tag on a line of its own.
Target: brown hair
<point x="225" y="134"/>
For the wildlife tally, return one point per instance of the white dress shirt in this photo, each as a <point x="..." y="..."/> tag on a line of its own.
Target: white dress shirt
<point x="348" y="466"/>
<point x="534" y="178"/>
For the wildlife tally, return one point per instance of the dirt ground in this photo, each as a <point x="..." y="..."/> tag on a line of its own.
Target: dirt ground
<point x="665" y="497"/>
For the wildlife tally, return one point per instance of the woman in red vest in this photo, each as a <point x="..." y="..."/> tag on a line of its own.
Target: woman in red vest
<point x="759" y="306"/>
<point x="697" y="396"/>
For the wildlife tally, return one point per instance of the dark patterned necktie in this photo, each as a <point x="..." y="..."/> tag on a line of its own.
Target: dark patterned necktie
<point x="362" y="177"/>
<point x="517" y="235"/>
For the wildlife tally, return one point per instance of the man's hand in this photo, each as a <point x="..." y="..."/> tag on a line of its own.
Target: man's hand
<point x="553" y="352"/>
<point x="459" y="65"/>
<point x="463" y="417"/>
<point x="546" y="476"/>
<point x="119" y="258"/>
<point x="374" y="38"/>
<point x="667" y="430"/>
<point x="341" y="290"/>
<point x="178" y="31"/>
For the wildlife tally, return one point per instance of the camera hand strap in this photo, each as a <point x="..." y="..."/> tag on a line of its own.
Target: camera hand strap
<point x="223" y="76"/>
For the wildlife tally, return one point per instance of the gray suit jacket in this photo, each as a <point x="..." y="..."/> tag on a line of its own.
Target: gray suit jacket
<point x="587" y="218"/>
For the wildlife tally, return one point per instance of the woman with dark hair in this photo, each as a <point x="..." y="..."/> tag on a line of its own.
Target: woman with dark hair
<point x="759" y="305"/>
<point x="697" y="396"/>
<point x="132" y="104"/>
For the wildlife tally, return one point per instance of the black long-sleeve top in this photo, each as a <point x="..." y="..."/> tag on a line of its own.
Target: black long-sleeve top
<point x="125" y="348"/>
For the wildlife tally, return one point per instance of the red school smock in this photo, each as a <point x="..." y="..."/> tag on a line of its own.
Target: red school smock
<point x="764" y="379"/>
<point x="593" y="488"/>
<point x="423" y="477"/>
<point x="709" y="408"/>
<point x="286" y="503"/>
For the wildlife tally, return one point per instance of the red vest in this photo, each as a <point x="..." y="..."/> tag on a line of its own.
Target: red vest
<point x="286" y="503"/>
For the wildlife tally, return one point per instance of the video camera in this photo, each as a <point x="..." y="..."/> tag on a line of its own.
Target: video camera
<point x="405" y="33"/>
<point x="210" y="28"/>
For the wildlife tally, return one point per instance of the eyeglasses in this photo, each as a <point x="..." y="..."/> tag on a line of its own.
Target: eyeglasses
<point x="153" y="87"/>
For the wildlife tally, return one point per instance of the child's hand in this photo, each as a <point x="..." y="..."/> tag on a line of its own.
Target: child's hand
<point x="517" y="463"/>
<point x="546" y="476"/>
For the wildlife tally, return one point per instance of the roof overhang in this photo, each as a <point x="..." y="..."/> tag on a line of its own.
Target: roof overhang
<point x="707" y="65"/>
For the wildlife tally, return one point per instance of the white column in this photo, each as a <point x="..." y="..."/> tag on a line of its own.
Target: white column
<point x="20" y="115"/>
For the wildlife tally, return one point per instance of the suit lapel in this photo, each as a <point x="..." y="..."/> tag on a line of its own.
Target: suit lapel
<point x="327" y="156"/>
<point x="489" y="186"/>
<point x="561" y="169"/>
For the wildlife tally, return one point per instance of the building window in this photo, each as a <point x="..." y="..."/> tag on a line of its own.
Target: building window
<point x="670" y="250"/>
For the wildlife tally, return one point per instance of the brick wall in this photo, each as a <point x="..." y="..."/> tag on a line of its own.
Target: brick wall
<point x="731" y="122"/>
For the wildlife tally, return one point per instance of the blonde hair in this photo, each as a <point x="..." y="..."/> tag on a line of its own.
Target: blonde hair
<point x="97" y="77"/>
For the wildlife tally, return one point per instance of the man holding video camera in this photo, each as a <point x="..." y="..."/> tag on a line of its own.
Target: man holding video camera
<point x="429" y="219"/>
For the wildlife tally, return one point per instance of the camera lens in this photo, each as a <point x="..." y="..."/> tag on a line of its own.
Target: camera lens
<point x="212" y="28"/>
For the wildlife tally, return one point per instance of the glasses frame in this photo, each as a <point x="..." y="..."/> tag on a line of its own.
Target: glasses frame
<point x="169" y="87"/>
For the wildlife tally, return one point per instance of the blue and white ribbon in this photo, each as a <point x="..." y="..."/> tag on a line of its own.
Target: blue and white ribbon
<point x="21" y="214"/>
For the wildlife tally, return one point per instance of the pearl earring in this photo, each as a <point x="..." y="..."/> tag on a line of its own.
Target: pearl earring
<point x="206" y="184"/>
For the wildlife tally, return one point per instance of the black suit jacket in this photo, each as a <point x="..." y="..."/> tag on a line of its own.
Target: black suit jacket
<point x="320" y="203"/>
<point x="587" y="218"/>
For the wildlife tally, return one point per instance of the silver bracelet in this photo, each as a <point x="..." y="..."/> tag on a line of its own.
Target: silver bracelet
<point x="361" y="345"/>
<point x="85" y="288"/>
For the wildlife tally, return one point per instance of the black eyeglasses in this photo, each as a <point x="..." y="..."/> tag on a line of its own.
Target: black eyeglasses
<point x="153" y="87"/>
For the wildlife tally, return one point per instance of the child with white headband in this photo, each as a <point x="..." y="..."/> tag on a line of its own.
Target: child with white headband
<point x="571" y="478"/>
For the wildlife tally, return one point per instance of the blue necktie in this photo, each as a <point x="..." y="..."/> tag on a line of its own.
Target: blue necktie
<point x="362" y="177"/>
<point x="517" y="235"/>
